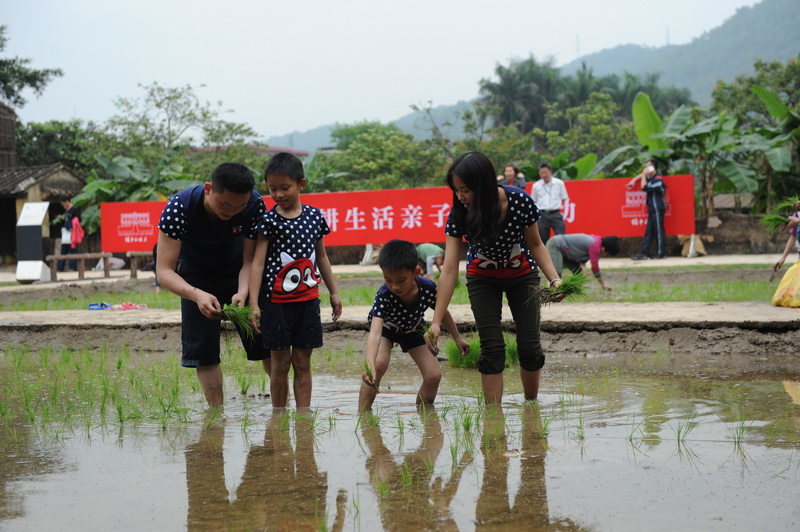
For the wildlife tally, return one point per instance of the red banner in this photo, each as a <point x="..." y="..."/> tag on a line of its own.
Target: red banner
<point x="602" y="207"/>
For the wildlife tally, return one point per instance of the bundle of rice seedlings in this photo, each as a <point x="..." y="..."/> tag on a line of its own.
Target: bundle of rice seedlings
<point x="240" y="317"/>
<point x="573" y="288"/>
<point x="772" y="222"/>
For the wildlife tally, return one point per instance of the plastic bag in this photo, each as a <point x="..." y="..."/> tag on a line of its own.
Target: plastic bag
<point x="788" y="291"/>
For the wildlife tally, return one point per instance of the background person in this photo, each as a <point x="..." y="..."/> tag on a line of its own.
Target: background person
<point x="792" y="242"/>
<point x="651" y="183"/>
<point x="550" y="195"/>
<point x="573" y="250"/>
<point x="431" y="255"/>
<point x="512" y="176"/>
<point x="71" y="213"/>
<point x="206" y="240"/>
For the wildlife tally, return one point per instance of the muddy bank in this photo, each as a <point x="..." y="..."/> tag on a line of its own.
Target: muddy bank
<point x="708" y="348"/>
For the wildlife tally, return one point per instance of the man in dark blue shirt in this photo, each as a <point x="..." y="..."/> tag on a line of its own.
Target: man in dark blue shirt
<point x="652" y="184"/>
<point x="206" y="242"/>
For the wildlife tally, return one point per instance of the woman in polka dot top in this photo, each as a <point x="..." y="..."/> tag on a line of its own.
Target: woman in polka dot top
<point x="505" y="255"/>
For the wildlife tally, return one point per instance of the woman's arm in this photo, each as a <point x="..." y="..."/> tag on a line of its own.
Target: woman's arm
<point x="541" y="255"/>
<point x="447" y="285"/>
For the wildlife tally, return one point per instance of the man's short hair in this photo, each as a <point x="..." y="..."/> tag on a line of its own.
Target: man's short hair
<point x="236" y="177"/>
<point x="611" y="244"/>
<point x="398" y="255"/>
<point x="284" y="163"/>
<point x="545" y="165"/>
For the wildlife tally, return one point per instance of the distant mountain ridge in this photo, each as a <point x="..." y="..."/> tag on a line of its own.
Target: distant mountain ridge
<point x="766" y="31"/>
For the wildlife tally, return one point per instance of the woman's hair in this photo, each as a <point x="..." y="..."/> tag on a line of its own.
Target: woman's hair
<point x="516" y="170"/>
<point x="479" y="223"/>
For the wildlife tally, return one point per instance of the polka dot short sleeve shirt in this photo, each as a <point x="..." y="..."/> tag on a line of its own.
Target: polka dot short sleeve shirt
<point x="207" y="242"/>
<point x="397" y="315"/>
<point x="508" y="255"/>
<point x="290" y="239"/>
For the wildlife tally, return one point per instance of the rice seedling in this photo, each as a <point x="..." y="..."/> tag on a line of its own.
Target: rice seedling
<point x="213" y="415"/>
<point x="739" y="428"/>
<point x="683" y="428"/>
<point x="245" y="381"/>
<point x="399" y="425"/>
<point x="636" y="432"/>
<point x="406" y="475"/>
<point x="384" y="489"/>
<point x="580" y="430"/>
<point x="284" y="421"/>
<point x="240" y="317"/>
<point x="457" y="360"/>
<point x="427" y="462"/>
<point x="355" y="503"/>
<point x="368" y="371"/>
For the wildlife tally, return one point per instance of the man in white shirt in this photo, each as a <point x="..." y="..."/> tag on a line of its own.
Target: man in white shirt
<point x="549" y="194"/>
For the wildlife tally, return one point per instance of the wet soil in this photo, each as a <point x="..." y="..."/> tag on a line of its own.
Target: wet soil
<point x="735" y="348"/>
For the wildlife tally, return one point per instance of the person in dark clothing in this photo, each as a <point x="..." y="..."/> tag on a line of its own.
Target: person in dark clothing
<point x="651" y="183"/>
<point x="71" y="212"/>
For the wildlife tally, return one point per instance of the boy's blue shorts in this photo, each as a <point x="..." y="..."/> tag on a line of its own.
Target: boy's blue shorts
<point x="407" y="340"/>
<point x="200" y="336"/>
<point x="286" y="325"/>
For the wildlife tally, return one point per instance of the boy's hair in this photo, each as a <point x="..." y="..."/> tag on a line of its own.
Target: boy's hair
<point x="611" y="245"/>
<point x="479" y="223"/>
<point x="285" y="164"/>
<point x="398" y="255"/>
<point x="235" y="177"/>
<point x="545" y="165"/>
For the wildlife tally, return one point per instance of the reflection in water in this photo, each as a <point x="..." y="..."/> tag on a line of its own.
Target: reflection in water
<point x="494" y="510"/>
<point x="408" y="496"/>
<point x="281" y="488"/>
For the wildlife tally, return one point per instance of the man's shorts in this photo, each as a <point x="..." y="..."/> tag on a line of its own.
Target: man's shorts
<point x="286" y="325"/>
<point x="407" y="340"/>
<point x="200" y="336"/>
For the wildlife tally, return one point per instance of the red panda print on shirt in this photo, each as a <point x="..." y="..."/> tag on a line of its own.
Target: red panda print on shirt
<point x="296" y="281"/>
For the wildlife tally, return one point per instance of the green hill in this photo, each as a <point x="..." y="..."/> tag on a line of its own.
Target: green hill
<point x="765" y="31"/>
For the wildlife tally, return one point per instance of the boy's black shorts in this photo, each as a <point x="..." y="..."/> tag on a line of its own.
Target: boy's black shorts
<point x="286" y="325"/>
<point x="200" y="336"/>
<point x="407" y="340"/>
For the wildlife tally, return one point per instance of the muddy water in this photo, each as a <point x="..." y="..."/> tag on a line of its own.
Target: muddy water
<point x="617" y="449"/>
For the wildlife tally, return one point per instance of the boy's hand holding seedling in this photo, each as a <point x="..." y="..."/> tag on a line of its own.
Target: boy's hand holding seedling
<point x="369" y="373"/>
<point x="463" y="345"/>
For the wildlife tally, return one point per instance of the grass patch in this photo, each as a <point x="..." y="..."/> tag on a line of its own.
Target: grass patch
<point x="455" y="359"/>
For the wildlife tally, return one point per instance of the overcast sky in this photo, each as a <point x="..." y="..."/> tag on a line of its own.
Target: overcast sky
<point x="298" y="64"/>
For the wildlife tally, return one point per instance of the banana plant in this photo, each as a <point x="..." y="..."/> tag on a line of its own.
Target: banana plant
<point x="126" y="179"/>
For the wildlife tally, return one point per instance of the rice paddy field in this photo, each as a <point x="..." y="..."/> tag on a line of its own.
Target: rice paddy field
<point x="120" y="439"/>
<point x="115" y="440"/>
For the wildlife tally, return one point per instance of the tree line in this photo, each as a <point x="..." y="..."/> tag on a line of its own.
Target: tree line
<point x="528" y="113"/>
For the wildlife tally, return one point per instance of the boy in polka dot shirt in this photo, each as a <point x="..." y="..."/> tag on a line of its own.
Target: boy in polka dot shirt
<point x="284" y="283"/>
<point x="206" y="240"/>
<point x="397" y="317"/>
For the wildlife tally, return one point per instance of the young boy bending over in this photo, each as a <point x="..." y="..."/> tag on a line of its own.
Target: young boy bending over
<point x="397" y="317"/>
<point x="284" y="278"/>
